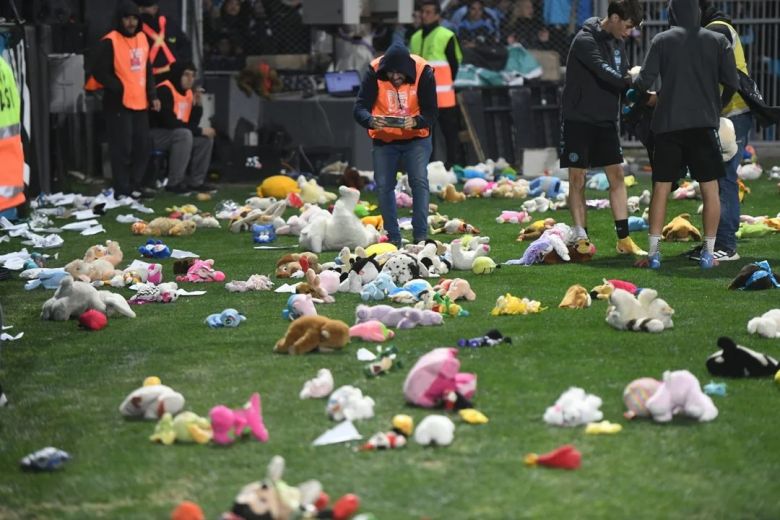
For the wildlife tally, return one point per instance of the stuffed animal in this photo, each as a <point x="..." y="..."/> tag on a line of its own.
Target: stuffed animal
<point x="603" y="291"/>
<point x="574" y="407"/>
<point x="456" y="289"/>
<point x="164" y="226"/>
<point x="71" y="299"/>
<point x="348" y="403"/>
<point x="154" y="249"/>
<point x="116" y="304"/>
<point x="256" y="282"/>
<point x="598" y="181"/>
<point x="491" y="338"/>
<point x="513" y="217"/>
<point x="750" y="171"/>
<point x="318" y="387"/>
<point x="250" y="416"/>
<point x="766" y="325"/>
<point x="291" y="263"/>
<point x="363" y="270"/>
<point x="230" y="318"/>
<point x="564" y="457"/>
<point x="313" y="193"/>
<point x="434" y="376"/>
<point x="274" y="499"/>
<point x="680" y="229"/>
<point x="680" y="392"/>
<point x="98" y="270"/>
<point x="451" y="194"/>
<point x="404" y="267"/>
<point x="398" y="317"/>
<point x="635" y="202"/>
<point x="263" y="233"/>
<point x="536" y="229"/>
<point x="151" y="401"/>
<point x="756" y="276"/>
<point x="202" y="271"/>
<point x="439" y="177"/>
<point x="435" y="430"/>
<point x="111" y="252"/>
<point x="351" y="178"/>
<point x="737" y="361"/>
<point x="299" y="305"/>
<point x="464" y="260"/>
<point x="378" y="288"/>
<point x="759" y="229"/>
<point x="646" y="312"/>
<point x="161" y="293"/>
<point x="636" y="394"/>
<point x="308" y="333"/>
<point x="547" y="185"/>
<point x="248" y="217"/>
<point x="687" y="190"/>
<point x="507" y="305"/>
<point x="313" y="287"/>
<point x="340" y="229"/>
<point x="474" y="187"/>
<point x="484" y="265"/>
<point x="434" y="262"/>
<point x="371" y="330"/>
<point x="278" y="187"/>
<point x="186" y="427"/>
<point x="576" y="297"/>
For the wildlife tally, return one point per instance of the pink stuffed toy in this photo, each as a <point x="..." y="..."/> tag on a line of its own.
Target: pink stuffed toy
<point x="455" y="289"/>
<point x="223" y="420"/>
<point x="680" y="392"/>
<point x="435" y="376"/>
<point x="371" y="330"/>
<point x="513" y="217"/>
<point x="154" y="274"/>
<point x="403" y="200"/>
<point x="400" y="317"/>
<point x="202" y="271"/>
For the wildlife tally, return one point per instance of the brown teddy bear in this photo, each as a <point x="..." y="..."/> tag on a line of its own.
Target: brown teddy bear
<point x="308" y="333"/>
<point x="291" y="263"/>
<point x="164" y="226"/>
<point x="450" y="194"/>
<point x="110" y="252"/>
<point x="98" y="270"/>
<point x="680" y="229"/>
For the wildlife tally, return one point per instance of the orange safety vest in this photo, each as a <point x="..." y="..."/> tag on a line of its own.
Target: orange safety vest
<point x="398" y="102"/>
<point x="11" y="153"/>
<point x="157" y="39"/>
<point x="445" y="89"/>
<point x="182" y="105"/>
<point x="131" y="57"/>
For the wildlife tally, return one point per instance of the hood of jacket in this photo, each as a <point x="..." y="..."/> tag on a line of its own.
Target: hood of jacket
<point x="593" y="26"/>
<point x="684" y="13"/>
<point x="175" y="74"/>
<point x="709" y="14"/>
<point x="397" y="59"/>
<point x="124" y="9"/>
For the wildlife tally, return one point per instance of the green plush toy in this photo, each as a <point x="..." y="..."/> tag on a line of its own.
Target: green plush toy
<point x="758" y="229"/>
<point x="186" y="427"/>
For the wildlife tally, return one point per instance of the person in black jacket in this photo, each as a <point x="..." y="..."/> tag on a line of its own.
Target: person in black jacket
<point x="176" y="130"/>
<point x="691" y="62"/>
<point x="167" y="42"/>
<point x="127" y="128"/>
<point x="596" y="76"/>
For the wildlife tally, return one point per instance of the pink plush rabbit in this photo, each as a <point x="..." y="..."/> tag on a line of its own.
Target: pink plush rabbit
<point x="223" y="420"/>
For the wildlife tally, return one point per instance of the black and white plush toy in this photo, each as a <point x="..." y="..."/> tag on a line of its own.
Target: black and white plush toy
<point x="738" y="361"/>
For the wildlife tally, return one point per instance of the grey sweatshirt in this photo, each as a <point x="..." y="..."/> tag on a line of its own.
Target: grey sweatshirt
<point x="691" y="62"/>
<point x="596" y="72"/>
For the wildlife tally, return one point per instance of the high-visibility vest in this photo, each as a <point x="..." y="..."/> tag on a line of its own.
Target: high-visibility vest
<point x="399" y="102"/>
<point x="182" y="105"/>
<point x="157" y="40"/>
<point x="737" y="104"/>
<point x="11" y="153"/>
<point x="131" y="57"/>
<point x="432" y="48"/>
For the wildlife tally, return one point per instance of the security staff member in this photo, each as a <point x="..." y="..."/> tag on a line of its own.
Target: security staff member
<point x="11" y="153"/>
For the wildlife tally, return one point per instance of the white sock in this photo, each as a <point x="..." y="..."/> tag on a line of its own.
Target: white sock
<point x="579" y="232"/>
<point x="653" y="240"/>
<point x="709" y="243"/>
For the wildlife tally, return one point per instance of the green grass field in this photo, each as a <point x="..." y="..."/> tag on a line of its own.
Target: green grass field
<point x="65" y="386"/>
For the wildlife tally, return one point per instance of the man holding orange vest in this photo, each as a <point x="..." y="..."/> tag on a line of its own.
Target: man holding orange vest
<point x="175" y="129"/>
<point x="440" y="48"/>
<point x="167" y="42"/>
<point x="397" y="104"/>
<point x="122" y="69"/>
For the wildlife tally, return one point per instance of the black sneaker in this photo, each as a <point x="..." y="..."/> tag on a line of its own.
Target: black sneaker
<point x="204" y="188"/>
<point x="725" y="255"/>
<point x="694" y="253"/>
<point x="179" y="189"/>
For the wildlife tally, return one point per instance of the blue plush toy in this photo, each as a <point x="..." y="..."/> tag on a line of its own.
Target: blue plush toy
<point x="637" y="224"/>
<point x="598" y="181"/>
<point x="154" y="249"/>
<point x="263" y="233"/>
<point x="226" y="318"/>
<point x="47" y="278"/>
<point x="550" y="186"/>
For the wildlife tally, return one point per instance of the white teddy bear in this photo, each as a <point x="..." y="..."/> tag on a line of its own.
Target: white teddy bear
<point x="340" y="229"/>
<point x="574" y="407"/>
<point x="349" y="403"/>
<point x="766" y="325"/>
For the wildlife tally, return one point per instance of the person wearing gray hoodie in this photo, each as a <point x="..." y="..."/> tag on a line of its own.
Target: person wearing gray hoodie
<point x="692" y="62"/>
<point x="596" y="76"/>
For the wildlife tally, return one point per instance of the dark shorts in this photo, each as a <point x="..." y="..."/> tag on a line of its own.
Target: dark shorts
<point x="584" y="145"/>
<point x="698" y="149"/>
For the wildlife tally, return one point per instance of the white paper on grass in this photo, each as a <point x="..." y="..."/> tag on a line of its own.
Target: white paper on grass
<point x="343" y="432"/>
<point x="138" y="264"/>
<point x="140" y="207"/>
<point x="8" y="337"/>
<point x="94" y="230"/>
<point x="286" y="288"/>
<point x="43" y="242"/>
<point x="179" y="254"/>
<point x="127" y="218"/>
<point x="59" y="199"/>
<point x="8" y="226"/>
<point x="80" y="226"/>
<point x="363" y="354"/>
<point x="184" y="292"/>
<point x="291" y="246"/>
<point x="83" y="214"/>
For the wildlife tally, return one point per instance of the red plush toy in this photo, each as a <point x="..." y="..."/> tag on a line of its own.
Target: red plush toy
<point x="565" y="457"/>
<point x="93" y="320"/>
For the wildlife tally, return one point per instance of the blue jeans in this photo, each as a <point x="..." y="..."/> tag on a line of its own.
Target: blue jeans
<point x="414" y="156"/>
<point x="729" y="190"/>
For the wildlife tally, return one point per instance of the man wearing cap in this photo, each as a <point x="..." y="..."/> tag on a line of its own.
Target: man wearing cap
<point x="167" y="43"/>
<point x="397" y="104"/>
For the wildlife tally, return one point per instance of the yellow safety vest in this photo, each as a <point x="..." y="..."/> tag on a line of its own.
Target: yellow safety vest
<point x="11" y="152"/>
<point x="433" y="49"/>
<point x="737" y="105"/>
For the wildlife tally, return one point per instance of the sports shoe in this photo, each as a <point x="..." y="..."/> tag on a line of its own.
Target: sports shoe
<point x="177" y="189"/>
<point x="694" y="252"/>
<point x="204" y="188"/>
<point x="720" y="254"/>
<point x="626" y="246"/>
<point x="706" y="261"/>
<point x="654" y="261"/>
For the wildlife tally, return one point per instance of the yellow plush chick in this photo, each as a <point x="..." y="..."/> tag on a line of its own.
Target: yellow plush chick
<point x="472" y="416"/>
<point x="404" y="424"/>
<point x="152" y="381"/>
<point x="380" y="248"/>
<point x="576" y="297"/>
<point x="508" y="305"/>
<point x="680" y="229"/>
<point x="277" y="186"/>
<point x="373" y="220"/>
<point x="603" y="427"/>
<point x="629" y="180"/>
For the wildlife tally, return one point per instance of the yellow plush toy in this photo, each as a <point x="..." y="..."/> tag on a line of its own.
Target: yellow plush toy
<point x="277" y="186"/>
<point x="508" y="304"/>
<point x="313" y="193"/>
<point x="163" y="226"/>
<point x="680" y="229"/>
<point x="450" y="194"/>
<point x="186" y="427"/>
<point x="577" y="297"/>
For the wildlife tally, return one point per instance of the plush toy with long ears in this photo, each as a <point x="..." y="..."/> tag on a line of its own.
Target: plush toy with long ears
<point x="299" y="305"/>
<point x="680" y="393"/>
<point x="576" y="297"/>
<point x="225" y="421"/>
<point x="185" y="427"/>
<point x="680" y="229"/>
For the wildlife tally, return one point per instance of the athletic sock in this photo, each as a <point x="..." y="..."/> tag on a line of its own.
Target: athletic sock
<point x="621" y="227"/>
<point x="580" y="232"/>
<point x="653" y="246"/>
<point x="709" y="243"/>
